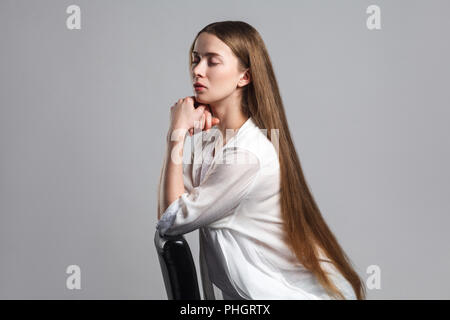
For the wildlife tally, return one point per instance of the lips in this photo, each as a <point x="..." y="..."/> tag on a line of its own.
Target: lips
<point x="198" y="84"/>
<point x="199" y="89"/>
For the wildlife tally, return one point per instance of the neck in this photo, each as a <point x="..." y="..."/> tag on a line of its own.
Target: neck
<point x="229" y="112"/>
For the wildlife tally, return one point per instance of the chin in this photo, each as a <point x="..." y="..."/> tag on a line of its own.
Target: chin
<point x="200" y="99"/>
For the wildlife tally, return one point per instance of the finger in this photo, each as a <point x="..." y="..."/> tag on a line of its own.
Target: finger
<point x="202" y="125"/>
<point x="207" y="115"/>
<point x="200" y="110"/>
<point x="215" y="121"/>
<point x="208" y="121"/>
<point x="206" y="112"/>
<point x="198" y="123"/>
<point x="189" y="100"/>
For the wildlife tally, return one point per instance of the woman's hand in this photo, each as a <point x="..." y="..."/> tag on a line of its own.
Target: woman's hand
<point x="206" y="122"/>
<point x="184" y="115"/>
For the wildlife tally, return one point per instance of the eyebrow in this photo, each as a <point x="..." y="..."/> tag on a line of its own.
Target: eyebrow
<point x="208" y="54"/>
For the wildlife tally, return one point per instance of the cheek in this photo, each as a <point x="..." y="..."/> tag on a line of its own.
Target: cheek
<point x="222" y="80"/>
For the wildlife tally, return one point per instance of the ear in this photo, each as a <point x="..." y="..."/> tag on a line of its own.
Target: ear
<point x="245" y="78"/>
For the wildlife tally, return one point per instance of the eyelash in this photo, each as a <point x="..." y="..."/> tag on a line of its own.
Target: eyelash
<point x="195" y="62"/>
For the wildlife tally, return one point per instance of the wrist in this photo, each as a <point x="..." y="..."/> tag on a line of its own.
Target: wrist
<point x="176" y="134"/>
<point x="179" y="126"/>
<point x="175" y="145"/>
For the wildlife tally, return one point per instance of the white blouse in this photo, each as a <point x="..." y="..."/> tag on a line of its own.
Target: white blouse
<point x="233" y="199"/>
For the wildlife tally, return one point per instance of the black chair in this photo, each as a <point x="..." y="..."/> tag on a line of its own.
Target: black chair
<point x="178" y="268"/>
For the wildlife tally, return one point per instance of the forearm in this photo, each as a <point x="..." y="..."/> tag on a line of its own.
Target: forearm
<point x="171" y="180"/>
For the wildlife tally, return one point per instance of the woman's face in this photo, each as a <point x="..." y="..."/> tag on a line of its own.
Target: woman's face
<point x="215" y="66"/>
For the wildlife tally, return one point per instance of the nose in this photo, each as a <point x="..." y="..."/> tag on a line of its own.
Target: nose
<point x="198" y="70"/>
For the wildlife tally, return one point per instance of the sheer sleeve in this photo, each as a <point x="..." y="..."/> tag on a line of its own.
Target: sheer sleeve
<point x="227" y="183"/>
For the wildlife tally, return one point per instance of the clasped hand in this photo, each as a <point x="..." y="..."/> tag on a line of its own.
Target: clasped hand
<point x="184" y="115"/>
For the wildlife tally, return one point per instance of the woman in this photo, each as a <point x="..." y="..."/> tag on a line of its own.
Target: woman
<point x="261" y="233"/>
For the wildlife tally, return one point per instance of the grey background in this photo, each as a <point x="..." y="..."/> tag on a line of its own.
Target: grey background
<point x="84" y="115"/>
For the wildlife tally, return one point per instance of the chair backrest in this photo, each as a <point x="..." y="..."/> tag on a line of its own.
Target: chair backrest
<point x="178" y="268"/>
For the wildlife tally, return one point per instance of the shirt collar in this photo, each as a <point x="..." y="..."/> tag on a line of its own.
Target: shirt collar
<point x="249" y="123"/>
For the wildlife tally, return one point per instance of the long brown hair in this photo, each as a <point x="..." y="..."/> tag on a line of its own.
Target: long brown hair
<point x="305" y="228"/>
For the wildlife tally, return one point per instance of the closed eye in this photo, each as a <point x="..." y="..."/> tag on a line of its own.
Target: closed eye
<point x="209" y="62"/>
